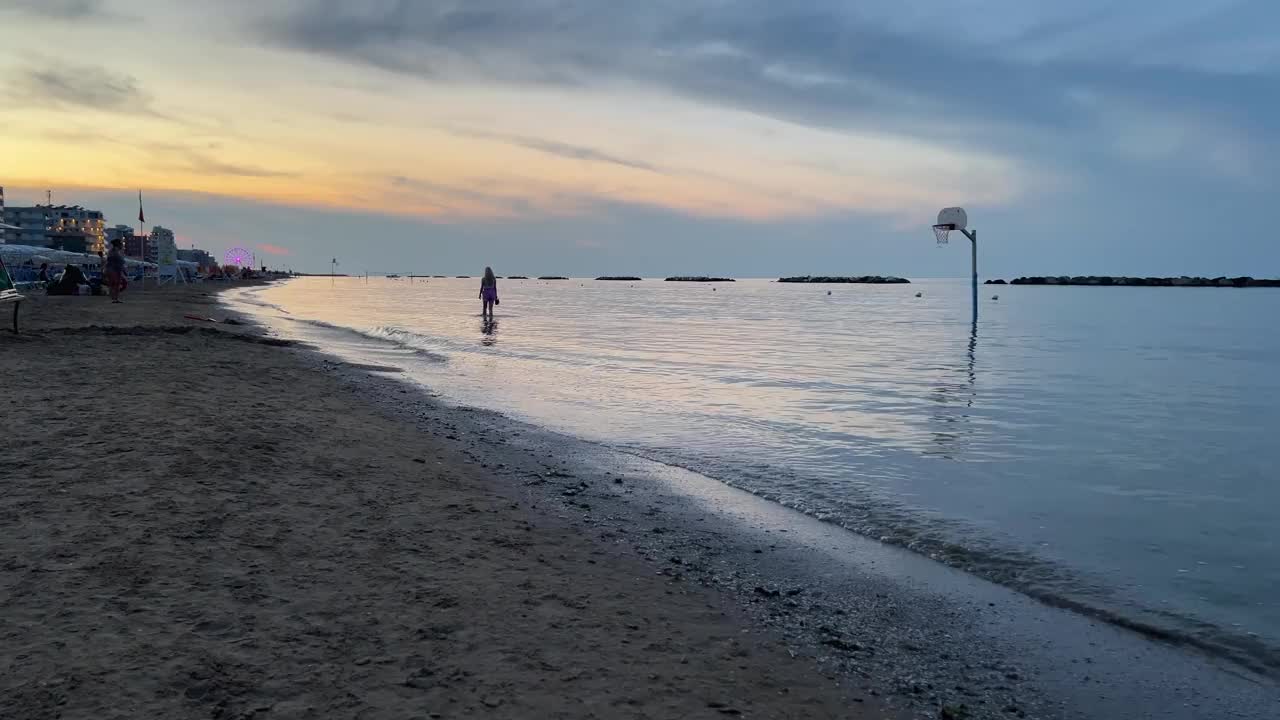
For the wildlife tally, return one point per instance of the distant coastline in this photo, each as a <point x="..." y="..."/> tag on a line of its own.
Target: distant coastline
<point x="868" y="279"/>
<point x="1115" y="280"/>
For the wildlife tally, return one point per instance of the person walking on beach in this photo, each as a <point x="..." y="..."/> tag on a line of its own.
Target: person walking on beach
<point x="114" y="271"/>
<point x="488" y="293"/>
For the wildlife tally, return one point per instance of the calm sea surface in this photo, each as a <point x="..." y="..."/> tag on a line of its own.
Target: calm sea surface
<point x="1112" y="449"/>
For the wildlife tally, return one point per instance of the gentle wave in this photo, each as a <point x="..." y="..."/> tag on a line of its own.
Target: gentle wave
<point x="392" y="336"/>
<point x="1051" y="583"/>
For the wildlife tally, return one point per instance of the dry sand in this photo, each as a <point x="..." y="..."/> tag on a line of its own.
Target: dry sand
<point x="195" y="523"/>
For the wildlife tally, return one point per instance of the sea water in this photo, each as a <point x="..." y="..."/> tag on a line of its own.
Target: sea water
<point x="1115" y="450"/>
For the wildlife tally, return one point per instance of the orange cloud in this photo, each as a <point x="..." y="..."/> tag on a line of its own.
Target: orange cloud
<point x="270" y="249"/>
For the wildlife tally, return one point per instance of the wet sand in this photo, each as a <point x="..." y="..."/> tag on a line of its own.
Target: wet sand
<point x="199" y="522"/>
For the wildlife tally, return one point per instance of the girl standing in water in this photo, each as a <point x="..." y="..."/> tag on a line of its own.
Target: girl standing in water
<point x="488" y="292"/>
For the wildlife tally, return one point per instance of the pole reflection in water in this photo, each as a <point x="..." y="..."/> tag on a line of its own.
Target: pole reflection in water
<point x="949" y="396"/>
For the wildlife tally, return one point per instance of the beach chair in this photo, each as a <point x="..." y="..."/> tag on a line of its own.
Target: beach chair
<point x="9" y="294"/>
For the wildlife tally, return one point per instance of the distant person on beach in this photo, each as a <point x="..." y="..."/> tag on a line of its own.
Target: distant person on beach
<point x="44" y="272"/>
<point x="488" y="292"/>
<point x="114" y="271"/>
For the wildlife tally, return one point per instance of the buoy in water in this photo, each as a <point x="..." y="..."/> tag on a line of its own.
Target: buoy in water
<point x="919" y="294"/>
<point x="995" y="297"/>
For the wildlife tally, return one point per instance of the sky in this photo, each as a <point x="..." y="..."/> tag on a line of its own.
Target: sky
<point x="754" y="138"/>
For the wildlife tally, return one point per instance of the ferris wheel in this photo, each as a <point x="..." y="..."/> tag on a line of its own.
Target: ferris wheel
<point x="238" y="256"/>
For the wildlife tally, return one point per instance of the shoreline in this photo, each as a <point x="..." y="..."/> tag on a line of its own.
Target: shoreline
<point x="1006" y="566"/>
<point x="1179" y="689"/>
<point x="202" y="524"/>
<point x="260" y="527"/>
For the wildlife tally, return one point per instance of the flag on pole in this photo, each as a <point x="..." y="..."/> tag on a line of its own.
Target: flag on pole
<point x="141" y="218"/>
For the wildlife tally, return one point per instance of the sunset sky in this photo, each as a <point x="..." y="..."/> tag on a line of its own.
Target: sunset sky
<point x="752" y="137"/>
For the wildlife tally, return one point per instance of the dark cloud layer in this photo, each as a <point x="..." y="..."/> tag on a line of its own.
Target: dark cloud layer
<point x="817" y="62"/>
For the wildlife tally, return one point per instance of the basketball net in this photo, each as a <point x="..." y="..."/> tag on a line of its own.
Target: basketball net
<point x="942" y="233"/>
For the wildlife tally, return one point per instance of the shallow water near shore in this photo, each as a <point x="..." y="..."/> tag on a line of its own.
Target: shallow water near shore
<point x="1103" y="448"/>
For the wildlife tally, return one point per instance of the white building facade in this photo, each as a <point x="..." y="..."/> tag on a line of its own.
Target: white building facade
<point x="41" y="225"/>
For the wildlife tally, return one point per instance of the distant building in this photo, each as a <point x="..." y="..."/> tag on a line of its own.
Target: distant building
<point x="76" y="241"/>
<point x="73" y="218"/>
<point x="34" y="224"/>
<point x="119" y="232"/>
<point x="135" y="246"/>
<point x="200" y="257"/>
<point x="158" y="235"/>
<point x="47" y="224"/>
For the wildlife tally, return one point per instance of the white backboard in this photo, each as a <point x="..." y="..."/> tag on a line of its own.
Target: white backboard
<point x="953" y="216"/>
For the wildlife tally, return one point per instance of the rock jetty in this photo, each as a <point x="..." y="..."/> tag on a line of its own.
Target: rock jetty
<point x="552" y="277"/>
<point x="698" y="278"/>
<point x="1109" y="281"/>
<point x="870" y="279"/>
<point x="619" y="277"/>
<point x="517" y="277"/>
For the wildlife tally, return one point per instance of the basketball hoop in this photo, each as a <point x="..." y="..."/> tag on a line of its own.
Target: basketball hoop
<point x="954" y="218"/>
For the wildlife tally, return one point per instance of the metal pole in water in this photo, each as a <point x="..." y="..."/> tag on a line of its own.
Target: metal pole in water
<point x="973" y="240"/>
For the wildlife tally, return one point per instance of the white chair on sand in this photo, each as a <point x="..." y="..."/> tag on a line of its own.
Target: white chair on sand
<point x="9" y="295"/>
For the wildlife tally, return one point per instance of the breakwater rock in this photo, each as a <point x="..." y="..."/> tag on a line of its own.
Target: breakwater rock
<point x="517" y="277"/>
<point x="1112" y="281"/>
<point x="698" y="278"/>
<point x="553" y="277"/>
<point x="869" y="279"/>
<point x="619" y="277"/>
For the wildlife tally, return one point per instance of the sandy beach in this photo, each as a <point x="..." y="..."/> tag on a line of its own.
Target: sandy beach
<point x="200" y="522"/>
<point x="215" y="520"/>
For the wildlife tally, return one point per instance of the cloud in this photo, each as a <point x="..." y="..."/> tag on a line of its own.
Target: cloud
<point x="877" y="66"/>
<point x="559" y="149"/>
<point x="474" y="197"/>
<point x="59" y="9"/>
<point x="198" y="162"/>
<point x="270" y="249"/>
<point x="191" y="157"/>
<point x="63" y="86"/>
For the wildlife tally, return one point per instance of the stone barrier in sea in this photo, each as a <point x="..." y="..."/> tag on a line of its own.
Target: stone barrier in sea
<point x="619" y="277"/>
<point x="517" y="277"/>
<point x="698" y="278"/>
<point x="1113" y="281"/>
<point x="553" y="277"/>
<point x="869" y="279"/>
